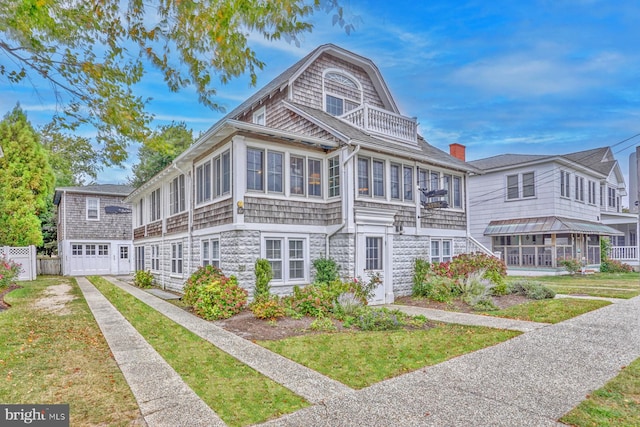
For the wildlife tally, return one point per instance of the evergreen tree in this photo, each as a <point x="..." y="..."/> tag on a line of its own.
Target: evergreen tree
<point x="26" y="181"/>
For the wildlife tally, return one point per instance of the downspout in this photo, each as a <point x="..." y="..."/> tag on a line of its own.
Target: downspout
<point x="190" y="215"/>
<point x="343" y="194"/>
<point x="64" y="232"/>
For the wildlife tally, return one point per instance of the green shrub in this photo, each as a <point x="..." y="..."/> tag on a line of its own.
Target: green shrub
<point x="532" y="289"/>
<point x="264" y="274"/>
<point x="200" y="278"/>
<point x="572" y="265"/>
<point x="421" y="285"/>
<point x="313" y="300"/>
<point x="494" y="268"/>
<point x="379" y="319"/>
<point x="443" y="289"/>
<point x="474" y="288"/>
<point x="212" y="295"/>
<point x="326" y="270"/>
<point x="143" y="279"/>
<point x="269" y="308"/>
<point x="484" y="304"/>
<point x="613" y="266"/>
<point x="9" y="271"/>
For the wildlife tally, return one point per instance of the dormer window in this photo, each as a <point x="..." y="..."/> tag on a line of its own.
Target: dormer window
<point x="342" y="93"/>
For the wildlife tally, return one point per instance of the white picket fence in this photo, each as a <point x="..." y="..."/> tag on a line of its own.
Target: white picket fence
<point x="25" y="256"/>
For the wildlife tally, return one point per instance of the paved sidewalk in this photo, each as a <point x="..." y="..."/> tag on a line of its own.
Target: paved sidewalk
<point x="163" y="397"/>
<point x="469" y="319"/>
<point x="303" y="381"/>
<point x="530" y="380"/>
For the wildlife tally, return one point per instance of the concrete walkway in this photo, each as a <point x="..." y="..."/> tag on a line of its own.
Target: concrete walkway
<point x="303" y="381"/>
<point x="163" y="397"/>
<point x="530" y="380"/>
<point x="469" y="319"/>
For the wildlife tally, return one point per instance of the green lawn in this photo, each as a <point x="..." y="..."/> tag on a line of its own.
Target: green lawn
<point x="617" y="404"/>
<point x="50" y="357"/>
<point x="610" y="285"/>
<point x="237" y="393"/>
<point x="359" y="359"/>
<point x="550" y="310"/>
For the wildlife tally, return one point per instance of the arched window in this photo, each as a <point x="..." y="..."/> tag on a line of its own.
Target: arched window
<point x="342" y="92"/>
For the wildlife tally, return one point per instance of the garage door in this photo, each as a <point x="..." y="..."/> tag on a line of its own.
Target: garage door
<point x="89" y="258"/>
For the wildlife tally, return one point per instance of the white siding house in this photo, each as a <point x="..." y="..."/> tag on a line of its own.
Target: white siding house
<point x="536" y="210"/>
<point x="318" y="163"/>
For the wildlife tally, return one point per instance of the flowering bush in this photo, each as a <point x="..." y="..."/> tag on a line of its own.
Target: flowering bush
<point x="9" y="271"/>
<point x="613" y="266"/>
<point x="213" y="295"/>
<point x="438" y="280"/>
<point x="269" y="307"/>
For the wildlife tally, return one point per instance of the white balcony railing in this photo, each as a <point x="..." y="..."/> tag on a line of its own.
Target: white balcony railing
<point x="382" y="122"/>
<point x="623" y="253"/>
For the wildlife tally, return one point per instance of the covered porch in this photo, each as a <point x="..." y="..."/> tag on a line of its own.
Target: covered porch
<point x="540" y="244"/>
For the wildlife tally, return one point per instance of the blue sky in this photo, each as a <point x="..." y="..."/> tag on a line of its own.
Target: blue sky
<point x="544" y="77"/>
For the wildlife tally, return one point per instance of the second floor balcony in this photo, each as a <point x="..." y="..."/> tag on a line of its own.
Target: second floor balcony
<point x="378" y="121"/>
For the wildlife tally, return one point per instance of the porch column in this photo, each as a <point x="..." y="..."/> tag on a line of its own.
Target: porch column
<point x="554" y="252"/>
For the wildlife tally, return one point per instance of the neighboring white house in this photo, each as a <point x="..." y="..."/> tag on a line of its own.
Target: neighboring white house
<point x="536" y="210"/>
<point x="94" y="229"/>
<point x="318" y="163"/>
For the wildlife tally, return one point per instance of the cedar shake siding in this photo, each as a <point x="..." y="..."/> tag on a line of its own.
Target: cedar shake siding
<point x="213" y="215"/>
<point x="271" y="211"/>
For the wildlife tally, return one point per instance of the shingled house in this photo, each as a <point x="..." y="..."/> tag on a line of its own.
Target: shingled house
<point x="318" y="163"/>
<point x="94" y="229"/>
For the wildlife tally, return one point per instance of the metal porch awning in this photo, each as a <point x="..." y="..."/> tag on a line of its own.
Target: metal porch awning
<point x="548" y="225"/>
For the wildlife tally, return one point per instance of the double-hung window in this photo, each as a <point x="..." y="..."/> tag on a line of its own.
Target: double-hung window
<point x="211" y="252"/>
<point x="222" y="174"/>
<point x="140" y="212"/>
<point x="395" y="180"/>
<point x="176" y="258"/>
<point x="287" y="257"/>
<point x="334" y="176"/>
<point x="255" y="169"/>
<point x="274" y="172"/>
<point x="521" y="186"/>
<point x="139" y="258"/>
<point x="564" y="184"/>
<point x="155" y="257"/>
<point x="579" y="188"/>
<point x="612" y="197"/>
<point x="440" y="250"/>
<point x="314" y="183"/>
<point x="296" y="175"/>
<point x="155" y="205"/>
<point x="203" y="182"/>
<point x="364" y="186"/>
<point x="378" y="178"/>
<point x="457" y="192"/>
<point x="408" y="183"/>
<point x="176" y="195"/>
<point x="592" y="193"/>
<point x="93" y="209"/>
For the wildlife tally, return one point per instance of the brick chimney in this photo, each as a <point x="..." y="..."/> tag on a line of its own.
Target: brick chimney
<point x="457" y="151"/>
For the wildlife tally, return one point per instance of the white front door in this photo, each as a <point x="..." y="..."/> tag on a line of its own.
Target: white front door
<point x="371" y="260"/>
<point x="124" y="259"/>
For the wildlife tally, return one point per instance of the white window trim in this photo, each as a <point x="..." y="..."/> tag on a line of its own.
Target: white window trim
<point x="326" y="92"/>
<point x="178" y="260"/>
<point x="210" y="258"/>
<point x="520" y="176"/>
<point x="285" y="281"/>
<point x="87" y="208"/>
<point x="155" y="260"/>
<point x="262" y="111"/>
<point x="441" y="256"/>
